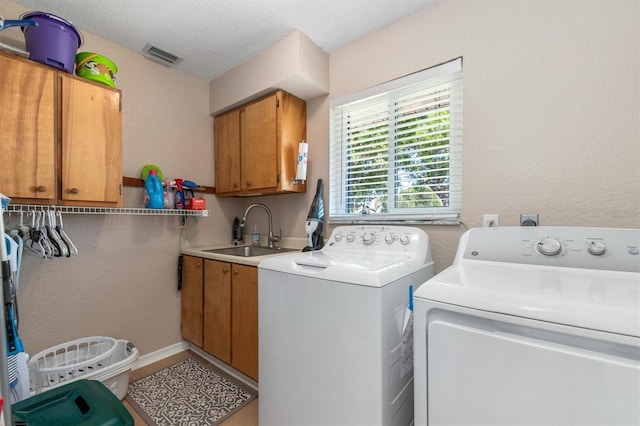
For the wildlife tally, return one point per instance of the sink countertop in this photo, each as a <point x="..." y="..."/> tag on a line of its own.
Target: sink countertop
<point x="286" y="242"/>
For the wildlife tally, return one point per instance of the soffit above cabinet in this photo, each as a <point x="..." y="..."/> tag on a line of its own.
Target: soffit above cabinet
<point x="294" y="64"/>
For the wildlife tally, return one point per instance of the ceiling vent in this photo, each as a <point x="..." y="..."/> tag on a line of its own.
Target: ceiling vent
<point x="160" y="55"/>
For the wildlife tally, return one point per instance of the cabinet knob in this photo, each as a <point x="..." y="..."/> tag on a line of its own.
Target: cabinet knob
<point x="248" y="183"/>
<point x="225" y="270"/>
<point x="198" y="263"/>
<point x="235" y="272"/>
<point x="74" y="191"/>
<point x="41" y="188"/>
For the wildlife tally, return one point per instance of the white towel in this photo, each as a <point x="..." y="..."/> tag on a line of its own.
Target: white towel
<point x="303" y="154"/>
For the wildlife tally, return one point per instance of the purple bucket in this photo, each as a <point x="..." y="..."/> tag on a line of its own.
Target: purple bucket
<point x="53" y="42"/>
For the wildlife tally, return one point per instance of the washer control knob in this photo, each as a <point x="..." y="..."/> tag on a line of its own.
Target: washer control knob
<point x="597" y="248"/>
<point x="404" y="240"/>
<point x="350" y="238"/>
<point x="549" y="246"/>
<point x="368" y="238"/>
<point x="339" y="237"/>
<point x="389" y="239"/>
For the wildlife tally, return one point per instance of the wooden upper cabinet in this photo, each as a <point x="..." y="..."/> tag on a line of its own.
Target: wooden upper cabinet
<point x="60" y="137"/>
<point x="227" y="152"/>
<point x="259" y="145"/>
<point x="91" y="144"/>
<point x="256" y="146"/>
<point x="27" y="132"/>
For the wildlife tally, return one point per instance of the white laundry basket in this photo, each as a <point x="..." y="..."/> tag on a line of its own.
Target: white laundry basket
<point x="94" y="358"/>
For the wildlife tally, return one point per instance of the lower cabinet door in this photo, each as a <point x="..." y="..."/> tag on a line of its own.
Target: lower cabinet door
<point x="191" y="299"/>
<point x="217" y="309"/>
<point x="244" y="323"/>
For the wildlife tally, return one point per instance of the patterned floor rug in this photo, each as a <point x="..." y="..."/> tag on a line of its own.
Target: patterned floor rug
<point x="187" y="393"/>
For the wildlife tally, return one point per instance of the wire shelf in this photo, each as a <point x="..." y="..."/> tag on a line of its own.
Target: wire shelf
<point x="105" y="210"/>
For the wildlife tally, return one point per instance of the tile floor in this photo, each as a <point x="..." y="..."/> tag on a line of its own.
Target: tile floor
<point x="247" y="416"/>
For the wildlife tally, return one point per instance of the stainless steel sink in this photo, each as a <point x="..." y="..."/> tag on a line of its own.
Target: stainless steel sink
<point x="250" y="251"/>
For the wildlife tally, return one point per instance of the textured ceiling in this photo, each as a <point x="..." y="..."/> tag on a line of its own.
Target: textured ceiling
<point x="213" y="36"/>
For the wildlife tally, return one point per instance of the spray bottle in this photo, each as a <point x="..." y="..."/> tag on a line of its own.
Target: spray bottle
<point x="179" y="197"/>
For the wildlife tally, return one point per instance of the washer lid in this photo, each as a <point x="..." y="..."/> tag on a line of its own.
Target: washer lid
<point x="599" y="300"/>
<point x="352" y="260"/>
<point x="373" y="269"/>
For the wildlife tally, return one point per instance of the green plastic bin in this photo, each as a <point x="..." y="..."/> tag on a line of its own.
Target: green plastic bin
<point x="81" y="402"/>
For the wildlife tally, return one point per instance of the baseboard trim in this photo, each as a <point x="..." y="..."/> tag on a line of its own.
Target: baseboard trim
<point x="182" y="346"/>
<point x="160" y="354"/>
<point x="224" y="367"/>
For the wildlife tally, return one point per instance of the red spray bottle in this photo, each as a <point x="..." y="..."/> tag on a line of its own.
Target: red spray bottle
<point x="179" y="194"/>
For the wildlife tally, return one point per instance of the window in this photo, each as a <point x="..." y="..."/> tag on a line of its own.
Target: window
<point x="396" y="149"/>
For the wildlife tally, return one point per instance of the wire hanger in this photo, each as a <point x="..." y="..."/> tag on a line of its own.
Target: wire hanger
<point x="59" y="227"/>
<point x="60" y="247"/>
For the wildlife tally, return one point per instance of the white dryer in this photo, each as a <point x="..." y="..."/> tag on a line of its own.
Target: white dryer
<point x="532" y="325"/>
<point x="334" y="349"/>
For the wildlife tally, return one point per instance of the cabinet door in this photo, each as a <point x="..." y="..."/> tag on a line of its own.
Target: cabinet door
<point x="217" y="309"/>
<point x="27" y="137"/>
<point x="259" y="145"/>
<point x="227" y="152"/>
<point x="244" y="332"/>
<point x="293" y="129"/>
<point x="192" y="299"/>
<point x="91" y="141"/>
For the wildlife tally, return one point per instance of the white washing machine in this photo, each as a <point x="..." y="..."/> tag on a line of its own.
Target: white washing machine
<point x="532" y="325"/>
<point x="334" y="349"/>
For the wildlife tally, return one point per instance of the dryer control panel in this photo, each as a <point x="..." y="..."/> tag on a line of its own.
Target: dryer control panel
<point x="611" y="249"/>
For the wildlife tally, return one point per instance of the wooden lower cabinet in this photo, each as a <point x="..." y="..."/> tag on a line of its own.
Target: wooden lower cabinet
<point x="217" y="309"/>
<point x="191" y="299"/>
<point x="244" y="319"/>
<point x="229" y="307"/>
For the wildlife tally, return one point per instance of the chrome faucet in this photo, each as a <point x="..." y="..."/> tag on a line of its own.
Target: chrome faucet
<point x="271" y="239"/>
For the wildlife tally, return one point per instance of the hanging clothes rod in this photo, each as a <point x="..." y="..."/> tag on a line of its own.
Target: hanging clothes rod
<point x="17" y="208"/>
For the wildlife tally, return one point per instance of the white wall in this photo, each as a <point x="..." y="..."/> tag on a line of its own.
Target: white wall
<point x="551" y="109"/>
<point x="124" y="282"/>
<point x="551" y="104"/>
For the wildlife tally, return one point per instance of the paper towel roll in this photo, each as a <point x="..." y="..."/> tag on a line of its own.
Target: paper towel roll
<point x="303" y="152"/>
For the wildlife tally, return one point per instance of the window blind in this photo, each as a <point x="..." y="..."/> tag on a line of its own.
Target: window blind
<point x="396" y="149"/>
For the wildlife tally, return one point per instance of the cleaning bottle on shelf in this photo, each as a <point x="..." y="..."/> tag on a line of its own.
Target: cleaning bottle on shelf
<point x="255" y="237"/>
<point x="155" y="193"/>
<point x="179" y="196"/>
<point x="168" y="195"/>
